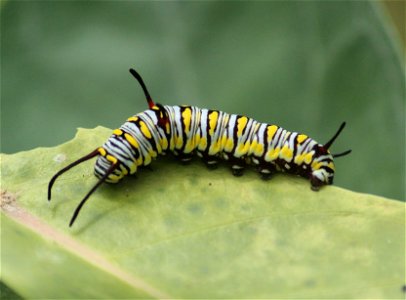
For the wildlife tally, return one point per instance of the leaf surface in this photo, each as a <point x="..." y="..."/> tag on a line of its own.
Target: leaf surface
<point x="188" y="232"/>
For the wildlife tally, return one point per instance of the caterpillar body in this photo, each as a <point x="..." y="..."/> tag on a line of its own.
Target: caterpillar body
<point x="212" y="135"/>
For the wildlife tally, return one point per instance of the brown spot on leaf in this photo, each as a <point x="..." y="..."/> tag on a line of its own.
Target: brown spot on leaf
<point x="7" y="198"/>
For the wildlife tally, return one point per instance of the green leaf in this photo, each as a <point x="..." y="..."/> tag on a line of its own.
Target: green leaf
<point x="6" y="292"/>
<point x="303" y="65"/>
<point x="188" y="232"/>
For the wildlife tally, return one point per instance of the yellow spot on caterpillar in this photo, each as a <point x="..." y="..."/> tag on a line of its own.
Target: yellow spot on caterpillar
<point x="189" y="147"/>
<point x="132" y="119"/>
<point x="196" y="140"/>
<point x="271" y="131"/>
<point x="215" y="147"/>
<point x="118" y="132"/>
<point x="172" y="142"/>
<point x="144" y="129"/>
<point x="139" y="161"/>
<point x="123" y="170"/>
<point x="331" y="166"/>
<point x="115" y="178"/>
<point x="152" y="153"/>
<point x="147" y="160"/>
<point x="133" y="168"/>
<point x="286" y="153"/>
<point x="242" y="122"/>
<point x="213" y="117"/>
<point x="308" y="158"/>
<point x="244" y="147"/>
<point x="229" y="144"/>
<point x="187" y="116"/>
<point x="258" y="149"/>
<point x="133" y="142"/>
<point x="179" y="142"/>
<point x="203" y="143"/>
<point x="316" y="165"/>
<point x="111" y="158"/>
<point x="273" y="154"/>
<point x="158" y="147"/>
<point x="239" y="151"/>
<point x="301" y="138"/>
<point x="223" y="140"/>
<point x="164" y="143"/>
<point x="299" y="159"/>
<point x="102" y="151"/>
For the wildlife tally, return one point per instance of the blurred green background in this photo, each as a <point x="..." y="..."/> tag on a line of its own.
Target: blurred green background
<point x="306" y="66"/>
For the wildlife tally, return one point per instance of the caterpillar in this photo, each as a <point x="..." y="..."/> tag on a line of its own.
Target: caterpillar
<point x="211" y="134"/>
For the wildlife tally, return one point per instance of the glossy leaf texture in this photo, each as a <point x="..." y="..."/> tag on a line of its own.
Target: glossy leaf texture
<point x="181" y="231"/>
<point x="304" y="65"/>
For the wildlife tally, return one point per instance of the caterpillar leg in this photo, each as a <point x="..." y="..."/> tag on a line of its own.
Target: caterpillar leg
<point x="265" y="170"/>
<point x="237" y="170"/>
<point x="265" y="173"/>
<point x="237" y="166"/>
<point x="185" y="158"/>
<point x="211" y="162"/>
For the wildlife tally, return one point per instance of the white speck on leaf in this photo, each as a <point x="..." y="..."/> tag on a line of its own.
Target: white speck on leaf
<point x="59" y="158"/>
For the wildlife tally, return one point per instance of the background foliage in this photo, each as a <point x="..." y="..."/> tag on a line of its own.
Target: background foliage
<point x="306" y="66"/>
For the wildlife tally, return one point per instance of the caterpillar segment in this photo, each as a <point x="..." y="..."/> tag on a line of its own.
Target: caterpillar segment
<point x="211" y="134"/>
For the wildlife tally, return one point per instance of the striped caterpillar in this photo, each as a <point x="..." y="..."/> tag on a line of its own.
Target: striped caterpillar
<point x="212" y="135"/>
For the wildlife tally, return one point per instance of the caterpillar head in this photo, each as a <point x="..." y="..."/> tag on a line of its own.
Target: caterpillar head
<point x="322" y="166"/>
<point x="108" y="168"/>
